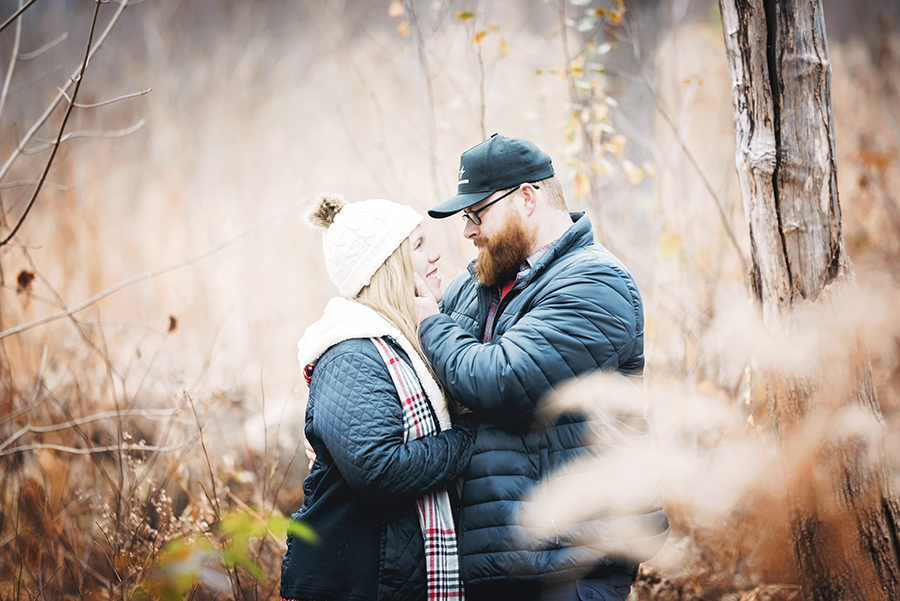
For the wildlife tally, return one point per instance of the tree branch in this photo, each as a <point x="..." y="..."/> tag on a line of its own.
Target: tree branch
<point x="27" y="56"/>
<point x="46" y="115"/>
<point x="62" y="127"/>
<point x="16" y="15"/>
<point x="119" y="133"/>
<point x="93" y="450"/>
<point x="687" y="153"/>
<point x="12" y="63"/>
<point x="105" y="102"/>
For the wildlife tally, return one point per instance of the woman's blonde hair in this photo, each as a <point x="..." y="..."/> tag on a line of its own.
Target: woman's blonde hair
<point x="391" y="292"/>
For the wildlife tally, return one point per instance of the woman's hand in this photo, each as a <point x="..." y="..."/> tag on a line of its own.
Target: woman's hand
<point x="426" y="305"/>
<point x="310" y="453"/>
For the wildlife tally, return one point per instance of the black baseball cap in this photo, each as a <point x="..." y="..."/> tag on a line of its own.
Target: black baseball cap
<point x="497" y="163"/>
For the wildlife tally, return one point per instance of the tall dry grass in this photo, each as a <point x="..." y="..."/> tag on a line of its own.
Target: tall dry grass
<point x="149" y="442"/>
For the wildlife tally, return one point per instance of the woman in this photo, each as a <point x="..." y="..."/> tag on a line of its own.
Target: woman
<point x="377" y="420"/>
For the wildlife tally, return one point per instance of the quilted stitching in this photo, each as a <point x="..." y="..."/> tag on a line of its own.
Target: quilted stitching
<point x="356" y="412"/>
<point x="578" y="311"/>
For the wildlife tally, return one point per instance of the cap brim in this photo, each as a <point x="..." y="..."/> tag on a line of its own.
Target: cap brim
<point x="457" y="204"/>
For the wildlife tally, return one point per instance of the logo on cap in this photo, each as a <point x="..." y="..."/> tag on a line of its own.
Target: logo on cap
<point x="460" y="180"/>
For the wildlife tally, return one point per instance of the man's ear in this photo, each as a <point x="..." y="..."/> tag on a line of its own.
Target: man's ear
<point x="530" y="199"/>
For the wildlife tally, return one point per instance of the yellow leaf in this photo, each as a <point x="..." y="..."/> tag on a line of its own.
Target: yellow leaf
<point x="465" y="15"/>
<point x="577" y="64"/>
<point x="634" y="173"/>
<point x="649" y="168"/>
<point x="582" y="185"/>
<point x="618" y="142"/>
<point x="504" y="49"/>
<point x="670" y="244"/>
<point x="480" y="36"/>
<point x="602" y="167"/>
<point x="403" y="28"/>
<point x="396" y="9"/>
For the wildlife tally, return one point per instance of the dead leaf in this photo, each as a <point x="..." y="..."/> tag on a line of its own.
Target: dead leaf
<point x="634" y="173"/>
<point x="173" y="323"/>
<point x="618" y="142"/>
<point x="670" y="244"/>
<point x="24" y="280"/>
<point x="582" y="185"/>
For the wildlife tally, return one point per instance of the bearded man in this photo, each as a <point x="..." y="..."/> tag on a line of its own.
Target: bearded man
<point x="542" y="304"/>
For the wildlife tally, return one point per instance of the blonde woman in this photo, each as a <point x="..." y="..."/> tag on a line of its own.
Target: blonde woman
<point x="385" y="448"/>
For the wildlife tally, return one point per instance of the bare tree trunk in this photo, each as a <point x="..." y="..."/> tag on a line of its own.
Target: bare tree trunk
<point x="845" y="519"/>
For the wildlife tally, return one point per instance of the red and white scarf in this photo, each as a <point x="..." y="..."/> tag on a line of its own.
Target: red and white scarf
<point x="435" y="516"/>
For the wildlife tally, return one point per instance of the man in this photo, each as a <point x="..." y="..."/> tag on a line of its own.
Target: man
<point x="541" y="304"/>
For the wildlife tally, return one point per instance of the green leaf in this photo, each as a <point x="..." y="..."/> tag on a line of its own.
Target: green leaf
<point x="304" y="532"/>
<point x="465" y="15"/>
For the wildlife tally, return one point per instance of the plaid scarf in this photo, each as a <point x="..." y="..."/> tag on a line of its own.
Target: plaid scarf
<point x="435" y="517"/>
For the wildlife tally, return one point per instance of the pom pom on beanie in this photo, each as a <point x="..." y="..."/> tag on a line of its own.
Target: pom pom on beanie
<point x="324" y="209"/>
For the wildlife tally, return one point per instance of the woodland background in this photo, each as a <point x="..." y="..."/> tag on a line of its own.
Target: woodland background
<point x="149" y="441"/>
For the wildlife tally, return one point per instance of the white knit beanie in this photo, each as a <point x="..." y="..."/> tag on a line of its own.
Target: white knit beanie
<point x="360" y="236"/>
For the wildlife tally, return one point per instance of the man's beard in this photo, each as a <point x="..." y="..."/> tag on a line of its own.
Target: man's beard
<point x="501" y="255"/>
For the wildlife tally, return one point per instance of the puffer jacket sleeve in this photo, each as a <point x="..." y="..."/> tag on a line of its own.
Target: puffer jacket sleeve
<point x="359" y="418"/>
<point x="584" y="320"/>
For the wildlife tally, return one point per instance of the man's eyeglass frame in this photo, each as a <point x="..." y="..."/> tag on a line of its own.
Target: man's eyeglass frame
<point x="475" y="216"/>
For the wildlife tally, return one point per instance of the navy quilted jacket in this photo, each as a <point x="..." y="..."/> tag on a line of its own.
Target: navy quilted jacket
<point x="361" y="491"/>
<point x="576" y="311"/>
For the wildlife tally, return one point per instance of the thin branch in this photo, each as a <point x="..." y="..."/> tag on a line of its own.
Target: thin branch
<point x="91" y="450"/>
<point x="120" y="323"/>
<point x="687" y="153"/>
<point x="119" y="133"/>
<point x="27" y="56"/>
<point x="62" y="127"/>
<point x="16" y="15"/>
<point x="46" y="115"/>
<point x="35" y="80"/>
<point x="431" y="119"/>
<point x="105" y="102"/>
<point x="151" y="274"/>
<point x="148" y="413"/>
<point x="212" y="475"/>
<point x="12" y="62"/>
<point x="33" y="182"/>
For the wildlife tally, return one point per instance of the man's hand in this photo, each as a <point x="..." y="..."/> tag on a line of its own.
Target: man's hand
<point x="426" y="305"/>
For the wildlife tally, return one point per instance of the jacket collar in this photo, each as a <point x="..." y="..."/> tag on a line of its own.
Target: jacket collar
<point x="344" y="319"/>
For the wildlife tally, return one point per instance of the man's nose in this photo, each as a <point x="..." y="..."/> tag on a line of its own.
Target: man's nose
<point x="471" y="230"/>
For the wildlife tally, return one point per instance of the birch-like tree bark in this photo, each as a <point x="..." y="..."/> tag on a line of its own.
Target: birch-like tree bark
<point x="844" y="517"/>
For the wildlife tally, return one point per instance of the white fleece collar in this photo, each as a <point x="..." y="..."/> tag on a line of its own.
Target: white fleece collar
<point x="345" y="320"/>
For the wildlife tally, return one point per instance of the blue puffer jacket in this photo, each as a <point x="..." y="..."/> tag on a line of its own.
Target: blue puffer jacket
<point x="576" y="311"/>
<point x="361" y="491"/>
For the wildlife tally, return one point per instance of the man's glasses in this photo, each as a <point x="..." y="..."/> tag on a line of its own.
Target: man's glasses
<point x="475" y="216"/>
